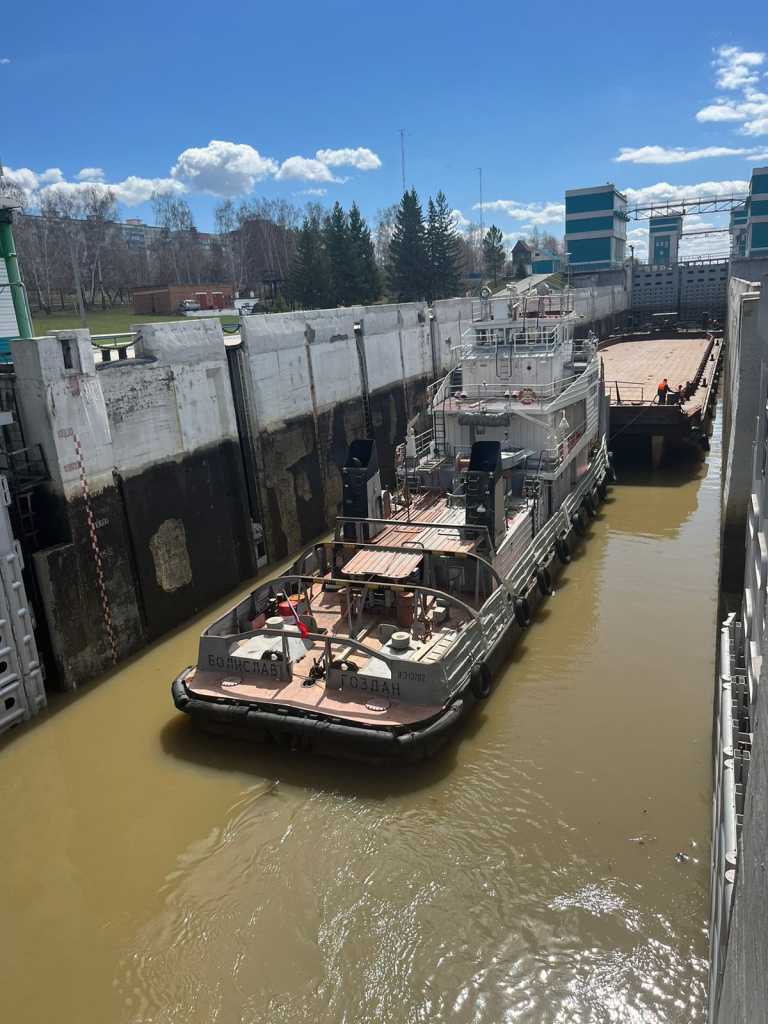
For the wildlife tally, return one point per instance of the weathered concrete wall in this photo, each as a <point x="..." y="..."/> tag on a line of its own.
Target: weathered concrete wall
<point x="745" y="341"/>
<point x="179" y="469"/>
<point x="145" y="519"/>
<point x="84" y="568"/>
<point x="740" y="996"/>
<point x="311" y="381"/>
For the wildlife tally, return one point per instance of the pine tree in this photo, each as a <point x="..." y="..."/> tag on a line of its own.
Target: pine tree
<point x="366" y="281"/>
<point x="340" y="258"/>
<point x="408" y="267"/>
<point x="443" y="250"/>
<point x="309" y="280"/>
<point x="494" y="253"/>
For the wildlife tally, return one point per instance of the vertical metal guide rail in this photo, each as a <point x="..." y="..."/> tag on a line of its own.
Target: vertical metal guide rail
<point x="22" y="693"/>
<point x="733" y="743"/>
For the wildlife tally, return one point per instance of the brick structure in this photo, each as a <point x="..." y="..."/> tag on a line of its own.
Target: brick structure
<point x="166" y="298"/>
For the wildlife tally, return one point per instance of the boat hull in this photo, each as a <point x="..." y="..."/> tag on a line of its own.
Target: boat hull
<point x="289" y="727"/>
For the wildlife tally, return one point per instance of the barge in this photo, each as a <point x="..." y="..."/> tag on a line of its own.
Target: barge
<point x="377" y="644"/>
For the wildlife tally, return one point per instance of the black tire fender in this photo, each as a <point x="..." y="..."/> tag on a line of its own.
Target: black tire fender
<point x="562" y="550"/>
<point x="602" y="489"/>
<point x="480" y="680"/>
<point x="544" y="580"/>
<point x="522" y="612"/>
<point x="590" y="505"/>
<point x="578" y="522"/>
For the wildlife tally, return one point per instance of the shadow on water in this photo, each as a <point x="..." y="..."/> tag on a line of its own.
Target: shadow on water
<point x="303" y="769"/>
<point x="682" y="465"/>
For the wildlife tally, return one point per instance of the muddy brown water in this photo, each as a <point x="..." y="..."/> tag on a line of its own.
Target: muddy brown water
<point x="150" y="875"/>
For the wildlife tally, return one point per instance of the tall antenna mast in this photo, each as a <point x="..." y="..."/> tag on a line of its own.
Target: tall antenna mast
<point x="402" y="156"/>
<point x="482" y="218"/>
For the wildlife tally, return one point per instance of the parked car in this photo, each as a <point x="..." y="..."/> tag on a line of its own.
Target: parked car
<point x="188" y="306"/>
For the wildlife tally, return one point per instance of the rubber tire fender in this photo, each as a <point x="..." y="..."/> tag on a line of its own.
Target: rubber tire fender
<point x="589" y="504"/>
<point x="480" y="680"/>
<point x="578" y="522"/>
<point x="522" y="612"/>
<point x="602" y="489"/>
<point x="544" y="580"/>
<point x="562" y="550"/>
<point x="611" y="473"/>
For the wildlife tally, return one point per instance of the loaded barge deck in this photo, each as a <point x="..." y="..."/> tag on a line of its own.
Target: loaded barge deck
<point x="633" y="369"/>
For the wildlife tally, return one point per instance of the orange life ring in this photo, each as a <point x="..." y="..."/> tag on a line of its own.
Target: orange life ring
<point x="527" y="396"/>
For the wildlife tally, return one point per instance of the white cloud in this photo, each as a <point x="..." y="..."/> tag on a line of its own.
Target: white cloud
<point x="132" y="191"/>
<point x="532" y="213"/>
<point x="30" y="181"/>
<point x="5" y="60"/>
<point x="222" y="168"/>
<point x="91" y="174"/>
<point x="736" y="67"/>
<point x="459" y="221"/>
<point x="721" y="110"/>
<point x="675" y="155"/>
<point x="312" y="192"/>
<point x="361" y="158"/>
<point x="663" y="191"/>
<point x="304" y="168"/>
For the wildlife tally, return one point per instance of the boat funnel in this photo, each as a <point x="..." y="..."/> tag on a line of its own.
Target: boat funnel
<point x="361" y="481"/>
<point x="485" y="489"/>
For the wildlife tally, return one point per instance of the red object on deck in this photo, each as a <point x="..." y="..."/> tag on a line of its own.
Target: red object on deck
<point x="284" y="609"/>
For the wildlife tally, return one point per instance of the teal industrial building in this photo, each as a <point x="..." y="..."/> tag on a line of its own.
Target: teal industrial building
<point x="595" y="227"/>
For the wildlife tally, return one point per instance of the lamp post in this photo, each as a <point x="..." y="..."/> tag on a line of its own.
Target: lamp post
<point x="8" y="203"/>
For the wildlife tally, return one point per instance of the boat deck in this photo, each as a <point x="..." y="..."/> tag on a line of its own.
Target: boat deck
<point x="636" y="367"/>
<point x="314" y="697"/>
<point x="429" y="643"/>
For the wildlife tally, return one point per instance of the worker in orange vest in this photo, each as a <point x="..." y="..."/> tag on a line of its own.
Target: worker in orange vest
<point x="663" y="391"/>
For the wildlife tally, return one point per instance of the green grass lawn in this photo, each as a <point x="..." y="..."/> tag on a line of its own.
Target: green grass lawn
<point x="110" y="321"/>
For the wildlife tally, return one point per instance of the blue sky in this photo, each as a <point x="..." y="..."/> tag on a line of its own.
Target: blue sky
<point x="276" y="100"/>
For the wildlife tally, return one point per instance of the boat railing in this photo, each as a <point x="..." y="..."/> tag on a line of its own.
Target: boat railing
<point x="627" y="392"/>
<point x="515" y="337"/>
<point x="526" y="394"/>
<point x="525" y="567"/>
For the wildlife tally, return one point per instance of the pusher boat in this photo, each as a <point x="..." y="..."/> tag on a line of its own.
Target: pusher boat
<point x="378" y="643"/>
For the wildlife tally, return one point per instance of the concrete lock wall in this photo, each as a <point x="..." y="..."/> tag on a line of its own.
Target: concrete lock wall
<point x="746" y="333"/>
<point x="174" y="472"/>
<point x="145" y="520"/>
<point x="179" y="470"/>
<point x="311" y="380"/>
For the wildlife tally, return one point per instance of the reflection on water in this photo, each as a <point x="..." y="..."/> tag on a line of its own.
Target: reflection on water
<point x="155" y="876"/>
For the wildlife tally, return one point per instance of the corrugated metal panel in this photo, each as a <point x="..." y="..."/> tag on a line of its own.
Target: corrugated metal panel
<point x="8" y="328"/>
<point x="391" y="564"/>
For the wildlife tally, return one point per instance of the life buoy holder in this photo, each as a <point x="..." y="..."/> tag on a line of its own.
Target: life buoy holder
<point x="522" y="612"/>
<point x="578" y="522"/>
<point x="562" y="550"/>
<point x="480" y="680"/>
<point x="544" y="580"/>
